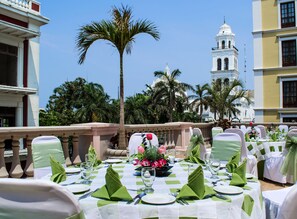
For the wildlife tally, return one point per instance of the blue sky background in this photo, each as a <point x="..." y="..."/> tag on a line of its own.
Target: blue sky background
<point x="187" y="30"/>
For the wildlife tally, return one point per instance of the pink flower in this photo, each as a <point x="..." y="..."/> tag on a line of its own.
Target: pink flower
<point x="162" y="162"/>
<point x="149" y="136"/>
<point x="155" y="164"/>
<point x="136" y="162"/>
<point x="145" y="163"/>
<point x="140" y="150"/>
<point x="162" y="149"/>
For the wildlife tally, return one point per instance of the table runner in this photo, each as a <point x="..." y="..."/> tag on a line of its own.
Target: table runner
<point x="207" y="208"/>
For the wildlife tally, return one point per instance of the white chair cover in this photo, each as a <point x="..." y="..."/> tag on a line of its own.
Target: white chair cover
<point x="283" y="127"/>
<point x="197" y="131"/>
<point x="292" y="127"/>
<point x="251" y="165"/>
<point x="216" y="130"/>
<point x="243" y="129"/>
<point x="262" y="130"/>
<point x="35" y="199"/>
<point x="274" y="163"/>
<point x="136" y="140"/>
<point x="273" y="200"/>
<point x="42" y="148"/>
<point x="225" y="145"/>
<point x="288" y="209"/>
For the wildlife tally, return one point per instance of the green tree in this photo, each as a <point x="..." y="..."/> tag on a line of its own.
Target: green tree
<point x="136" y="109"/>
<point x="168" y="89"/>
<point x="120" y="32"/>
<point x="199" y="99"/>
<point x="223" y="98"/>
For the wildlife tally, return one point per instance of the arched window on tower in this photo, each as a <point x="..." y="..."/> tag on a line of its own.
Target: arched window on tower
<point x="219" y="64"/>
<point x="223" y="44"/>
<point x="226" y="82"/>
<point x="229" y="44"/>
<point x="226" y="64"/>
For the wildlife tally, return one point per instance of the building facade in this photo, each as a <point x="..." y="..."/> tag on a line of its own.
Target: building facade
<point x="275" y="66"/>
<point x="20" y="23"/>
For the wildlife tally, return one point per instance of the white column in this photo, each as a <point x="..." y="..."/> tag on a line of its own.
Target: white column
<point x="19" y="114"/>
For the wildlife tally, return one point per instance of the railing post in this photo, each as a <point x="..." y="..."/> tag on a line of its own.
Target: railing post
<point x="16" y="170"/>
<point x="75" y="159"/>
<point x="3" y="171"/>
<point x="66" y="150"/>
<point x="29" y="170"/>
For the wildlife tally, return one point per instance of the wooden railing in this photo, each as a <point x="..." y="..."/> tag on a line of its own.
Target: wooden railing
<point x="80" y="137"/>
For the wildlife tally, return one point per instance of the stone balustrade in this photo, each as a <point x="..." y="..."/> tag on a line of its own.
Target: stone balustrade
<point x="80" y="136"/>
<point x="25" y="5"/>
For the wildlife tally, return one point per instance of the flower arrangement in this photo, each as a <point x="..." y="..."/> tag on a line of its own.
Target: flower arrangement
<point x="252" y="134"/>
<point x="150" y="155"/>
<point x="277" y="135"/>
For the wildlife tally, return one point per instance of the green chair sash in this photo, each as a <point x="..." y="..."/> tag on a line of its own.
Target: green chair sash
<point x="289" y="166"/>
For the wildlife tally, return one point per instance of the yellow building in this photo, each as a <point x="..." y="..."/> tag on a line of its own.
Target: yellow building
<point x="275" y="64"/>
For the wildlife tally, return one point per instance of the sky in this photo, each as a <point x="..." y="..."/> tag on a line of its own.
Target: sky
<point x="187" y="34"/>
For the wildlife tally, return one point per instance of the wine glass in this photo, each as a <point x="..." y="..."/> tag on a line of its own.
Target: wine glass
<point x="148" y="175"/>
<point x="215" y="166"/>
<point x="86" y="172"/>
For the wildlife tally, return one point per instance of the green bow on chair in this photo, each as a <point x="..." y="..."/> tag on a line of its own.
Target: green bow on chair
<point x="194" y="149"/>
<point x="289" y="166"/>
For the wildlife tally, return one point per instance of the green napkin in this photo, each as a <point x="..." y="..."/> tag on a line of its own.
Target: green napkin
<point x="58" y="171"/>
<point x="194" y="157"/>
<point x="93" y="157"/>
<point x="238" y="175"/>
<point x="113" y="189"/>
<point x="233" y="162"/>
<point x="195" y="189"/>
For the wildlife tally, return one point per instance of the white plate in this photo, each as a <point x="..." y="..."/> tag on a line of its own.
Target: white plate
<point x="158" y="199"/>
<point x="72" y="170"/>
<point x="113" y="161"/>
<point x="78" y="188"/>
<point x="249" y="176"/>
<point x="228" y="190"/>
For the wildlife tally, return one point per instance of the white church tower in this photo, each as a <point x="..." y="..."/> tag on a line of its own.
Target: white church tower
<point x="225" y="56"/>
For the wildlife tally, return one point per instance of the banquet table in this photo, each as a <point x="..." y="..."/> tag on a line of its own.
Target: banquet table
<point x="206" y="208"/>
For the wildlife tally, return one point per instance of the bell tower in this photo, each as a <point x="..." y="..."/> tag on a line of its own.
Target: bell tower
<point x="225" y="56"/>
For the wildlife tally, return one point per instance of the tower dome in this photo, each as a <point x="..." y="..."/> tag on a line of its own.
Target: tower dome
<point x="225" y="29"/>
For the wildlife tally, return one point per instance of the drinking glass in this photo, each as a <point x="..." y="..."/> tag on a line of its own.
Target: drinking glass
<point x="148" y="175"/>
<point x="86" y="169"/>
<point x="128" y="155"/>
<point x="214" y="166"/>
<point x="171" y="155"/>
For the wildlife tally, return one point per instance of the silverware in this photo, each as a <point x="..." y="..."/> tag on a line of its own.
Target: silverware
<point x="180" y="201"/>
<point x="136" y="196"/>
<point x="87" y="194"/>
<point x="139" y="198"/>
<point x="221" y="196"/>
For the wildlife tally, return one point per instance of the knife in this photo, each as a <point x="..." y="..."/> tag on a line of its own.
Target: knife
<point x="139" y="198"/>
<point x="87" y="194"/>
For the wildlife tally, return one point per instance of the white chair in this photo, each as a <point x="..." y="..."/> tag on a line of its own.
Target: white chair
<point x="243" y="129"/>
<point x="274" y="163"/>
<point x="197" y="131"/>
<point x="288" y="209"/>
<point x="251" y="165"/>
<point x="283" y="128"/>
<point x="35" y="199"/>
<point x="216" y="130"/>
<point x="136" y="140"/>
<point x="262" y="130"/>
<point x="42" y="148"/>
<point x="292" y="127"/>
<point x="225" y="145"/>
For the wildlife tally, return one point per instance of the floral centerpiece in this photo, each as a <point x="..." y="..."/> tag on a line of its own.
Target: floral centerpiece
<point x="252" y="133"/>
<point x="151" y="155"/>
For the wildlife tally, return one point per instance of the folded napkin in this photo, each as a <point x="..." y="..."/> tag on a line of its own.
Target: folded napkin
<point x="93" y="157"/>
<point x="238" y="175"/>
<point x="233" y="162"/>
<point x="58" y="171"/>
<point x="113" y="189"/>
<point x="194" y="155"/>
<point x="195" y="189"/>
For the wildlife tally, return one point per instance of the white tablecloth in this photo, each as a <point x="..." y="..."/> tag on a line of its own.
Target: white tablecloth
<point x="200" y="208"/>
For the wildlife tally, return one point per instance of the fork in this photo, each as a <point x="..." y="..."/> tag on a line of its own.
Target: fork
<point x="180" y="201"/>
<point x="87" y="194"/>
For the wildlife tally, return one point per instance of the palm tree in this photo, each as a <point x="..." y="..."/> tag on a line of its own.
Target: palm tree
<point x="223" y="99"/>
<point x="136" y="109"/>
<point x="120" y="32"/>
<point x="199" y="99"/>
<point x="168" y="88"/>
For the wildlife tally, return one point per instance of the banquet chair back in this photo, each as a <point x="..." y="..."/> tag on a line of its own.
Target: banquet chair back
<point x="225" y="145"/>
<point x="262" y="130"/>
<point x="35" y="199"/>
<point x="197" y="131"/>
<point x="292" y="127"/>
<point x="288" y="209"/>
<point x="243" y="129"/>
<point x="136" y="140"/>
<point x="42" y="148"/>
<point x="216" y="130"/>
<point x="244" y="151"/>
<point x="283" y="127"/>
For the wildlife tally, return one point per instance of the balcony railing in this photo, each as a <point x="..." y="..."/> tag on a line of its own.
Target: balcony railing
<point x="25" y="5"/>
<point x="226" y="47"/>
<point x="80" y="137"/>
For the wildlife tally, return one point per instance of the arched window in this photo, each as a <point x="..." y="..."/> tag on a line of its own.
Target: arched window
<point x="226" y="81"/>
<point x="226" y="64"/>
<point x="223" y="44"/>
<point x="219" y="64"/>
<point x="229" y="44"/>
